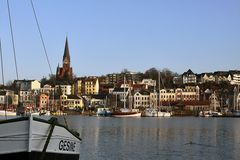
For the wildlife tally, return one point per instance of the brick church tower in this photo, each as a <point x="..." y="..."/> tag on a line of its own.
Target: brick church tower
<point x="64" y="74"/>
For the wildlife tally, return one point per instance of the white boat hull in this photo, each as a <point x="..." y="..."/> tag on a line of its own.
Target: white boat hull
<point x="125" y="114"/>
<point x="26" y="136"/>
<point x="155" y="113"/>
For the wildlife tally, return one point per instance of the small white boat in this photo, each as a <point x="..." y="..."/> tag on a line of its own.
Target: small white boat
<point x="210" y="113"/>
<point x="103" y="112"/>
<point x="151" y="112"/>
<point x="33" y="138"/>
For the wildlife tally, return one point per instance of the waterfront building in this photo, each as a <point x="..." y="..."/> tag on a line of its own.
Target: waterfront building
<point x="141" y="99"/>
<point x="196" y="105"/>
<point x="154" y="99"/>
<point x="71" y="102"/>
<point x="214" y="102"/>
<point x="120" y="93"/>
<point x="167" y="95"/>
<point x="189" y="93"/>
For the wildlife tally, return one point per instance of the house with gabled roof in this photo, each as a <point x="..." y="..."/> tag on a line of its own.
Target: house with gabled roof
<point x="189" y="77"/>
<point x="141" y="99"/>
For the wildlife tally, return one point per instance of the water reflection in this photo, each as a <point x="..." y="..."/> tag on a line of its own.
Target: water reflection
<point x="157" y="138"/>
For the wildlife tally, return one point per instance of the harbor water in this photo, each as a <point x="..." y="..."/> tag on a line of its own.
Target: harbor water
<point x="151" y="138"/>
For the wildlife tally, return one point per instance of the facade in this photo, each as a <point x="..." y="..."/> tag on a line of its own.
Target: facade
<point x="141" y="99"/>
<point x="43" y="101"/>
<point x="189" y="93"/>
<point x="167" y="95"/>
<point x="235" y="79"/>
<point x="86" y="86"/>
<point x="27" y="85"/>
<point x="9" y="99"/>
<point x="154" y="99"/>
<point x="118" y="78"/>
<point x="79" y="86"/>
<point x="189" y="77"/>
<point x="64" y="74"/>
<point x="64" y="89"/>
<point x="222" y="76"/>
<point x="71" y="102"/>
<point x="148" y="82"/>
<point x="214" y="102"/>
<point x="47" y="89"/>
<point x="207" y="77"/>
<point x="237" y="107"/>
<point x="120" y="93"/>
<point x="91" y="86"/>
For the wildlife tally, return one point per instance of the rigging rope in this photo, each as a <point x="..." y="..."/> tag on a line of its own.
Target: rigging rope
<point x="40" y="33"/>
<point x="1" y="62"/>
<point x="44" y="47"/>
<point x="13" y="44"/>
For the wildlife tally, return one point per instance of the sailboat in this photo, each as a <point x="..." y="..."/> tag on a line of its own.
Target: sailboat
<point x="125" y="112"/>
<point x="156" y="110"/>
<point x="213" y="112"/>
<point x="33" y="138"/>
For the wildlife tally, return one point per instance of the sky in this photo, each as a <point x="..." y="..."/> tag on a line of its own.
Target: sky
<point x="107" y="36"/>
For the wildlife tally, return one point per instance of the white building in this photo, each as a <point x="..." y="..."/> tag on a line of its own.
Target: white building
<point x="26" y="85"/>
<point x="148" y="82"/>
<point x="47" y="89"/>
<point x="65" y="89"/>
<point x="208" y="77"/>
<point x="235" y="79"/>
<point x="189" y="77"/>
<point x="141" y="99"/>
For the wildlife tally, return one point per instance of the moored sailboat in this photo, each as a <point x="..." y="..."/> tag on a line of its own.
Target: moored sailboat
<point x="126" y="112"/>
<point x="156" y="111"/>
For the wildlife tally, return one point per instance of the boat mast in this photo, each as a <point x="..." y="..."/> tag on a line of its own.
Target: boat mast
<point x="159" y="88"/>
<point x="124" y="94"/>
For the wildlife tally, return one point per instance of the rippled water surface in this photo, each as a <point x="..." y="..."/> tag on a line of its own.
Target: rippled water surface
<point x="177" y="138"/>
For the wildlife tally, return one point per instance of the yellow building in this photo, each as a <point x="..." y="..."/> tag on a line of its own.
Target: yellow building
<point x="71" y="102"/>
<point x="86" y="86"/>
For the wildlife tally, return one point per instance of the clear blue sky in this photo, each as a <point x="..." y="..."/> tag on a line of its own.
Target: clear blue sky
<point x="106" y="36"/>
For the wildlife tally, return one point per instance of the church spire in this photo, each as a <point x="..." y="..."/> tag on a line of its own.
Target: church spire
<point x="66" y="51"/>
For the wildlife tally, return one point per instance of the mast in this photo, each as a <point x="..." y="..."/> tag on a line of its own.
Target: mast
<point x="124" y="94"/>
<point x="159" y="88"/>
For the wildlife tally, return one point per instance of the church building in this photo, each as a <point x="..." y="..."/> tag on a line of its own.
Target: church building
<point x="64" y="74"/>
